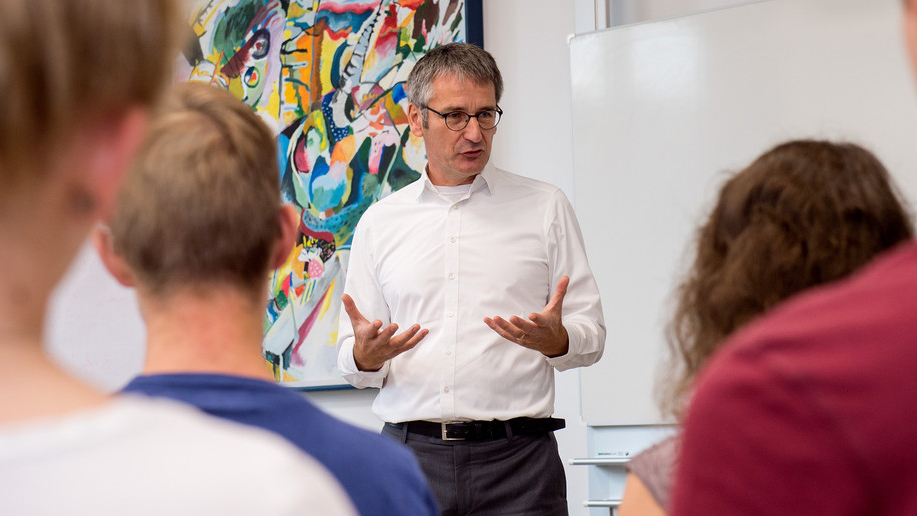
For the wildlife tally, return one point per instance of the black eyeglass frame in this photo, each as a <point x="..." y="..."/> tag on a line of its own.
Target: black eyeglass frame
<point x="468" y="117"/>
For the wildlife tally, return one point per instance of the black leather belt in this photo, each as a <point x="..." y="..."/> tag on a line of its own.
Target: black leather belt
<point x="481" y="430"/>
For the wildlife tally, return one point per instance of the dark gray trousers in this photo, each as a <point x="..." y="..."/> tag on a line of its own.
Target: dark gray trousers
<point x="519" y="476"/>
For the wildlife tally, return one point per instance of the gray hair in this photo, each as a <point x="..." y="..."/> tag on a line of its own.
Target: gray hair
<point x="463" y="60"/>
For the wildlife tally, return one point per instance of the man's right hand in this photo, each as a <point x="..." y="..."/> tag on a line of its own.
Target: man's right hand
<point x="373" y="345"/>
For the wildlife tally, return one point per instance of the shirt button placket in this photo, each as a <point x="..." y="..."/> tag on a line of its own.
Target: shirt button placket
<point x="450" y="325"/>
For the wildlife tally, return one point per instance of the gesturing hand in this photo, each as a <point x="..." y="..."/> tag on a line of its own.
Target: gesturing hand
<point x="373" y="345"/>
<point x="543" y="331"/>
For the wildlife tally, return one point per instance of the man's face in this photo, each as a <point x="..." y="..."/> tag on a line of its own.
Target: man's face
<point x="455" y="157"/>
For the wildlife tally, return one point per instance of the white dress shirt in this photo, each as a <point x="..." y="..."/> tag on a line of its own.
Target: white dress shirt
<point x="447" y="261"/>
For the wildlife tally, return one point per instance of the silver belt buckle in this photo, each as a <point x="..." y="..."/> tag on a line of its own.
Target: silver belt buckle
<point x="446" y="438"/>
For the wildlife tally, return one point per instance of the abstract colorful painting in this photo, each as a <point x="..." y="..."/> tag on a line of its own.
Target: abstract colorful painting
<point x="328" y="77"/>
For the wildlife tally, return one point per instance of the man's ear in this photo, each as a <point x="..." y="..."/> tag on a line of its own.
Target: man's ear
<point x="289" y="224"/>
<point x="105" y="247"/>
<point x="415" y="120"/>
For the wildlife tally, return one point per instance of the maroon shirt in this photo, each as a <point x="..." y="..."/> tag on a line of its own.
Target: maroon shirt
<point x="812" y="409"/>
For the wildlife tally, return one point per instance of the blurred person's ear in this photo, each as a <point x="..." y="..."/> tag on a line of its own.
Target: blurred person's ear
<point x="105" y="246"/>
<point x="112" y="145"/>
<point x="289" y="223"/>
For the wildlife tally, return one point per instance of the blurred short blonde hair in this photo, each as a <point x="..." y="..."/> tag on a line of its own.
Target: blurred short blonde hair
<point x="65" y="61"/>
<point x="201" y="206"/>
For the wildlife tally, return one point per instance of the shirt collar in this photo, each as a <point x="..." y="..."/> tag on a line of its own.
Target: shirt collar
<point x="486" y="180"/>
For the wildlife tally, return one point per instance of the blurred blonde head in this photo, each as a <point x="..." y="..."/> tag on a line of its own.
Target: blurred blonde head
<point x="66" y="62"/>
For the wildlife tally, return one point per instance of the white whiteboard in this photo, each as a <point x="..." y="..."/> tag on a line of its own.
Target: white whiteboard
<point x="662" y="110"/>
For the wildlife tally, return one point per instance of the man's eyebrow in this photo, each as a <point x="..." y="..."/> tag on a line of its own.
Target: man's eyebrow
<point x="450" y="109"/>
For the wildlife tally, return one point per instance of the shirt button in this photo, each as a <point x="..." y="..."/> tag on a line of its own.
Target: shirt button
<point x="451" y="276"/>
<point x="452" y="240"/>
<point x="455" y="207"/>
<point x="448" y="352"/>
<point x="445" y="389"/>
<point x="450" y="314"/>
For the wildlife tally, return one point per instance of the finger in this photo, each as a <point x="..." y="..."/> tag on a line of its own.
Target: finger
<point x="508" y="330"/>
<point x="557" y="300"/>
<point x="507" y="326"/>
<point x="400" y="339"/>
<point x="351" y="308"/>
<point x="368" y="332"/>
<point x="410" y="338"/>
<point x="503" y="333"/>
<point x="529" y="327"/>
<point x="365" y="329"/>
<point x="386" y="334"/>
<point x="493" y="326"/>
<point x="545" y="319"/>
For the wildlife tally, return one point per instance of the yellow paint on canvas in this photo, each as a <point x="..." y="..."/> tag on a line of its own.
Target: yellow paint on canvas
<point x="280" y="375"/>
<point x="202" y="18"/>
<point x="273" y="102"/>
<point x="235" y="87"/>
<point x="332" y="339"/>
<point x="296" y="10"/>
<point x="329" y="47"/>
<point x="309" y="289"/>
<point x="326" y="303"/>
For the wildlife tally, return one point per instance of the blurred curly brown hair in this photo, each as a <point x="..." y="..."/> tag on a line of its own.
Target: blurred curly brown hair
<point x="804" y="213"/>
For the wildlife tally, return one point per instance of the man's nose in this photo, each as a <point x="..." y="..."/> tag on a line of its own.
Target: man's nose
<point x="472" y="131"/>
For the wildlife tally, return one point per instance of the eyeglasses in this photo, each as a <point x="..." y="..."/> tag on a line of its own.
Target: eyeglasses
<point x="458" y="120"/>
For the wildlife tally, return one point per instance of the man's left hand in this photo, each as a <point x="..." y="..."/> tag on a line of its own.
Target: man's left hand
<point x="543" y="331"/>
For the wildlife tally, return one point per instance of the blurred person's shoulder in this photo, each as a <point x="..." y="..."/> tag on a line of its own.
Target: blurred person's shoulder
<point x="152" y="456"/>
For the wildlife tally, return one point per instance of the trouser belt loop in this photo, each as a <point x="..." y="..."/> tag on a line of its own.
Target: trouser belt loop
<point x="404" y="432"/>
<point x="509" y="430"/>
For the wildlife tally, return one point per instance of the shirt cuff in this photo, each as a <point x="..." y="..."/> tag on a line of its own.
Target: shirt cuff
<point x="574" y="355"/>
<point x="361" y="379"/>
